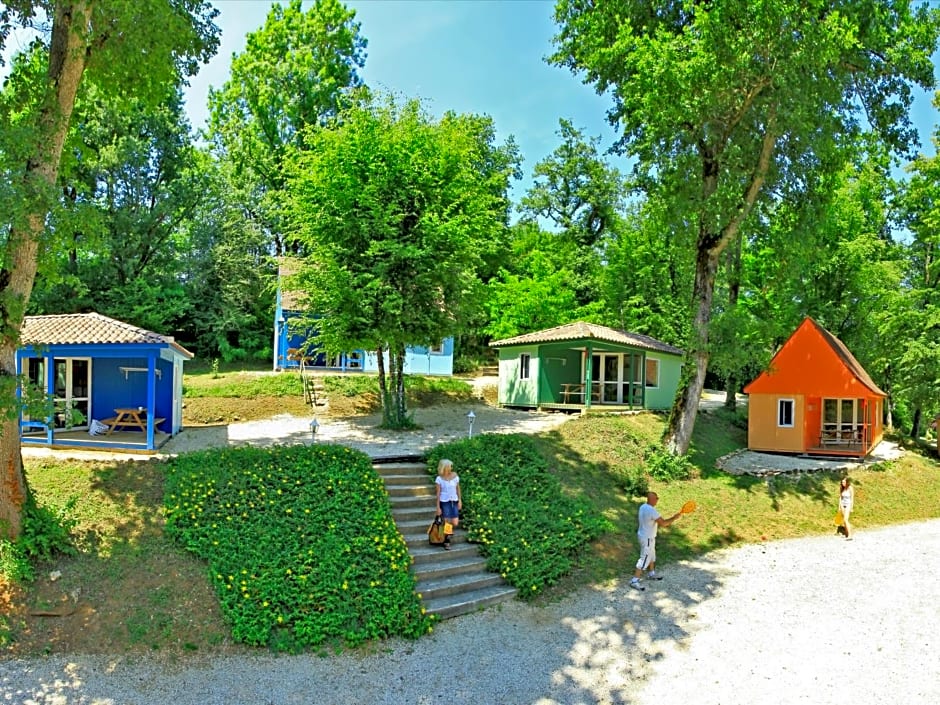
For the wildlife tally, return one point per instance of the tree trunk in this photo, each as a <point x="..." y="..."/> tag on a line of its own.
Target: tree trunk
<point x="68" y="53"/>
<point x="383" y="385"/>
<point x="915" y="423"/>
<point x="401" y="407"/>
<point x="681" y="423"/>
<point x="394" y="410"/>
<point x="709" y="247"/>
<point x="734" y="289"/>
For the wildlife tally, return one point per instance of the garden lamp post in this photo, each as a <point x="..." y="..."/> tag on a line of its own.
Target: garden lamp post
<point x="314" y="427"/>
<point x="470" y="417"/>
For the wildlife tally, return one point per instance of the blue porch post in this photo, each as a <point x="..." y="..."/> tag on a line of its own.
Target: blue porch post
<point x="588" y="375"/>
<point x="50" y="389"/>
<point x="151" y="397"/>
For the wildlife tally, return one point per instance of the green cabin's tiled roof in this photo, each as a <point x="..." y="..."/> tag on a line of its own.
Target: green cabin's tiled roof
<point x="588" y="331"/>
<point x="89" y="329"/>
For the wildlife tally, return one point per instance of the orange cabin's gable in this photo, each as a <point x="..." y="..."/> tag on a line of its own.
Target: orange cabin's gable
<point x="809" y="364"/>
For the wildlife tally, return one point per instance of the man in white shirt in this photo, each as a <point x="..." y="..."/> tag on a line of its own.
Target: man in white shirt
<point x="648" y="522"/>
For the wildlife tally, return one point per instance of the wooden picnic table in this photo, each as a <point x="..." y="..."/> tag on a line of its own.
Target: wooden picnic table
<point x="128" y="418"/>
<point x="572" y="390"/>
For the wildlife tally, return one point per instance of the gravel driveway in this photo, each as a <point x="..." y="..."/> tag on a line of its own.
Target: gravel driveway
<point x="816" y="620"/>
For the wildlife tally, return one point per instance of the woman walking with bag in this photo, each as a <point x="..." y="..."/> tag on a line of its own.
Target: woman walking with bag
<point x="846" y="502"/>
<point x="449" y="503"/>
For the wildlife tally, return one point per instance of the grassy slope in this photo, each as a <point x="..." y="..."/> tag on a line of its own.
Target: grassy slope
<point x="730" y="509"/>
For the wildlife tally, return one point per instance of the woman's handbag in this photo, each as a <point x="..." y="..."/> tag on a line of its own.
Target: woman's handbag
<point x="436" y="536"/>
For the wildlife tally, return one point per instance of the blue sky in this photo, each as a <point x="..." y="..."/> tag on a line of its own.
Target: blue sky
<point x="473" y="56"/>
<point x="476" y="56"/>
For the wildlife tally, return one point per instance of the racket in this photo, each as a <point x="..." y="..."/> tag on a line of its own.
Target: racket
<point x="689" y="507"/>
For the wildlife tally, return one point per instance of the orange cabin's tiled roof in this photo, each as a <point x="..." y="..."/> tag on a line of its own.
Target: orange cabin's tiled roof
<point x="588" y="331"/>
<point x="89" y="329"/>
<point x="849" y="359"/>
<point x="811" y="361"/>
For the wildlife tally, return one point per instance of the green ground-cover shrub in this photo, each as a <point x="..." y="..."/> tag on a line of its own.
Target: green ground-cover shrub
<point x="301" y="545"/>
<point x="530" y="531"/>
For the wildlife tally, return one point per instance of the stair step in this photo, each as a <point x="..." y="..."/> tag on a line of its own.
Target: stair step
<point x="459" y="565"/>
<point x="463" y="603"/>
<point x="455" y="584"/>
<point x="403" y="468"/>
<point x="426" y="553"/>
<point x="415" y="522"/>
<point x="406" y="501"/>
<point x="402" y="479"/>
<point x="410" y="491"/>
<point x="419" y="538"/>
<point x="406" y="511"/>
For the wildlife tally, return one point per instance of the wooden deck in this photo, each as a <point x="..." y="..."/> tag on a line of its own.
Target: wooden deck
<point x="116" y="442"/>
<point x="594" y="408"/>
<point x="842" y="450"/>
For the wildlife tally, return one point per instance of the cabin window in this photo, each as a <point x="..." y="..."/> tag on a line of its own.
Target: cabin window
<point x="785" y="413"/>
<point x="652" y="373"/>
<point x="524" y="365"/>
<point x="436" y="349"/>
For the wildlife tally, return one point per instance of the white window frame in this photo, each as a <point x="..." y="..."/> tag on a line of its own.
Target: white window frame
<point x="525" y="362"/>
<point x="436" y="349"/>
<point x="780" y="407"/>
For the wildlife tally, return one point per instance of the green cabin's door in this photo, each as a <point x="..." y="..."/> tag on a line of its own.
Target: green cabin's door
<point x="619" y="377"/>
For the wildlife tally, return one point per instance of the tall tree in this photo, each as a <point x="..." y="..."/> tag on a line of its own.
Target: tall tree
<point x="914" y="326"/>
<point x="537" y="287"/>
<point x="115" y="41"/>
<point x="397" y="211"/>
<point x="580" y="195"/>
<point x="720" y="101"/>
<point x="295" y="72"/>
<point x="129" y="183"/>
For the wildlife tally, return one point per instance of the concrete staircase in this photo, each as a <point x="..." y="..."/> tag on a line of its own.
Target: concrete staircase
<point x="450" y="582"/>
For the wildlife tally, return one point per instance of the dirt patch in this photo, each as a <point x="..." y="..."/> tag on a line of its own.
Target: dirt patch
<point x="129" y="590"/>
<point x="203" y="411"/>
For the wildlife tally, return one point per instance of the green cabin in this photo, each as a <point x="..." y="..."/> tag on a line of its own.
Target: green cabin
<point x="582" y="365"/>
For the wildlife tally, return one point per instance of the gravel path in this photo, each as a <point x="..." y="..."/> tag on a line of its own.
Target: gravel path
<point x="816" y="620"/>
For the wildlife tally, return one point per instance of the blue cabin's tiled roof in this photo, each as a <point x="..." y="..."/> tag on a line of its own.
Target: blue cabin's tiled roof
<point x="588" y="331"/>
<point x="89" y="329"/>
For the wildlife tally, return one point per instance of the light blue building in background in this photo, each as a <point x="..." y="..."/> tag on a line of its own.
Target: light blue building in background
<point x="290" y="343"/>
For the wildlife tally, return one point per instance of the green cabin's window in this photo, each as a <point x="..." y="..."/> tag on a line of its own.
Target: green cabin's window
<point x="524" y="365"/>
<point x="652" y="373"/>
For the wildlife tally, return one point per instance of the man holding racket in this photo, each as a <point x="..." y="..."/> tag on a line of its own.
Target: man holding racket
<point x="649" y="521"/>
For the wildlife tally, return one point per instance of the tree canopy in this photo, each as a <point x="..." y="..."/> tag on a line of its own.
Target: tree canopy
<point x="396" y="211"/>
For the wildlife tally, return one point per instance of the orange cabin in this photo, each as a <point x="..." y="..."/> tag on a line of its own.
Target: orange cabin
<point x="815" y="398"/>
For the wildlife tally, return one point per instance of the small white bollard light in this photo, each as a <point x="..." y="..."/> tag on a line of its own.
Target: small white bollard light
<point x="470" y="417"/>
<point x="314" y="427"/>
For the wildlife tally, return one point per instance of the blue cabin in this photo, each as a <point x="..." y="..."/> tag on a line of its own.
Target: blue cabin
<point x="89" y="381"/>
<point x="291" y="349"/>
